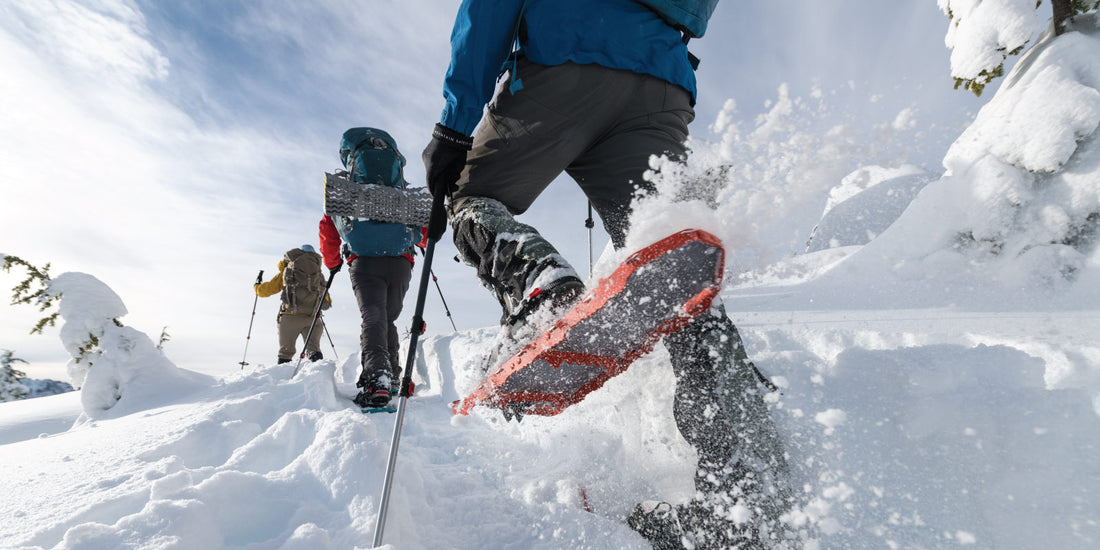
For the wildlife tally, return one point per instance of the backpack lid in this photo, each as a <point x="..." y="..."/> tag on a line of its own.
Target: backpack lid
<point x="301" y="256"/>
<point x="371" y="155"/>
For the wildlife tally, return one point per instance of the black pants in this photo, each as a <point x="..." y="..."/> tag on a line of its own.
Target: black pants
<point x="380" y="284"/>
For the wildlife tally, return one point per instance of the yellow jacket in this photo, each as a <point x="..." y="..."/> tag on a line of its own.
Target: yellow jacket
<point x="274" y="286"/>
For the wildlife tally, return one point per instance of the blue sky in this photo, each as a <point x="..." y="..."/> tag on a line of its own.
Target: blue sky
<point x="174" y="149"/>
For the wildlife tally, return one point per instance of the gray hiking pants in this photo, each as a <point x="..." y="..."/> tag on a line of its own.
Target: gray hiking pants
<point x="598" y="125"/>
<point x="291" y="327"/>
<point x="380" y="284"/>
<point x="601" y="126"/>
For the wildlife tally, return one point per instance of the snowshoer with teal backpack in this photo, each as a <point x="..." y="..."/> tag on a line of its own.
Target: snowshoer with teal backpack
<point x="594" y="89"/>
<point x="380" y="260"/>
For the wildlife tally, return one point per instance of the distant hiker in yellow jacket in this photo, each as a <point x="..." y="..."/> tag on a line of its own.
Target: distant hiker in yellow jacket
<point x="301" y="283"/>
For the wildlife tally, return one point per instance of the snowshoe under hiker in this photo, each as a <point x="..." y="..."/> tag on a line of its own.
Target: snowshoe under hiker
<point x="656" y="521"/>
<point x="376" y="392"/>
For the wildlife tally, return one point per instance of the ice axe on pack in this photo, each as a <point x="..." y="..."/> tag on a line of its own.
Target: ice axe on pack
<point x="316" y="315"/>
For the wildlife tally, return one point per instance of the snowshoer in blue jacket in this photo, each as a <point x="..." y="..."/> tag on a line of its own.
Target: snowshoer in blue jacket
<point x="594" y="89"/>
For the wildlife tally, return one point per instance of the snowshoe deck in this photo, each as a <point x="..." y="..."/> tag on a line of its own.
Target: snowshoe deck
<point x="376" y="202"/>
<point x="655" y="292"/>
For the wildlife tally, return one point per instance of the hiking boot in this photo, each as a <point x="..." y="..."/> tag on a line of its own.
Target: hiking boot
<point x="557" y="296"/>
<point x="692" y="525"/>
<point x="544" y="305"/>
<point x="710" y="525"/>
<point x="539" y="310"/>
<point x="316" y="356"/>
<point x="377" y="392"/>
<point x="282" y="360"/>
<point x="657" y="522"/>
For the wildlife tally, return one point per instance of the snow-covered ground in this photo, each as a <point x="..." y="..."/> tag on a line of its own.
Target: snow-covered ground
<point x="907" y="428"/>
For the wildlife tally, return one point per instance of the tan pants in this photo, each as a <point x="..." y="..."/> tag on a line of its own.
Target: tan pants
<point x="293" y="326"/>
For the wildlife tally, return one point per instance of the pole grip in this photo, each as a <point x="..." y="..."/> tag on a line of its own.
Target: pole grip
<point x="438" y="217"/>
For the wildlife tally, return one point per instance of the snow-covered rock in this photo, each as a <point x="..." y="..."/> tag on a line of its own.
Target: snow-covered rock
<point x="865" y="203"/>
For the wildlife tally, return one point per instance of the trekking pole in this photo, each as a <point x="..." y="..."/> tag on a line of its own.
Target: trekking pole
<point x="316" y="315"/>
<point x="259" y="279"/>
<point x="410" y="363"/>
<point x="329" y="335"/>
<point x="442" y="299"/>
<point x="589" y="223"/>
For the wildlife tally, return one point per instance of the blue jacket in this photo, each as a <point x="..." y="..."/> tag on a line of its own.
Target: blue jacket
<point x="618" y="34"/>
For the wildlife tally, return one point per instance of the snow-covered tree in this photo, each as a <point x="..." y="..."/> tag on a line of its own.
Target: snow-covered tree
<point x="10" y="386"/>
<point x="164" y="338"/>
<point x="110" y="361"/>
<point x="36" y="290"/>
<point x="32" y="290"/>
<point x="1019" y="204"/>
<point x="1031" y="155"/>
<point x="983" y="33"/>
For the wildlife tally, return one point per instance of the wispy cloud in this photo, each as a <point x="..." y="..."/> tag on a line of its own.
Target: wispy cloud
<point x="173" y="150"/>
<point x="107" y="40"/>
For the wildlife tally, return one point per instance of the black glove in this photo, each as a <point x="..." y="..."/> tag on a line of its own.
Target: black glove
<point x="444" y="158"/>
<point x="437" y="221"/>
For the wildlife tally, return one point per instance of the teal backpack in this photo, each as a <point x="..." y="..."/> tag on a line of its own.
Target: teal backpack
<point x="371" y="157"/>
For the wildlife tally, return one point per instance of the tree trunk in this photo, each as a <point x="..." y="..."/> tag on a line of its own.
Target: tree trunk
<point x="1062" y="13"/>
